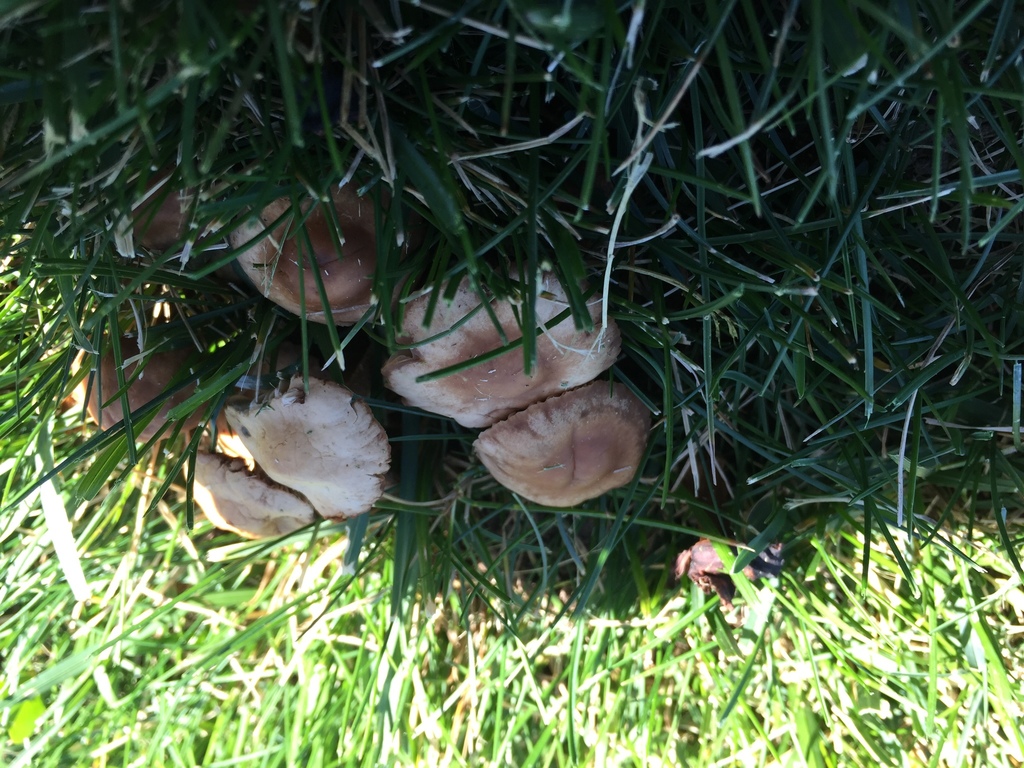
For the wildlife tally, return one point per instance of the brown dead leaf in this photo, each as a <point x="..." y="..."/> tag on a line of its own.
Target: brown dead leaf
<point x="704" y="567"/>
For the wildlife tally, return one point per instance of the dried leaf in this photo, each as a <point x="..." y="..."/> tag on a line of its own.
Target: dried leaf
<point x="704" y="567"/>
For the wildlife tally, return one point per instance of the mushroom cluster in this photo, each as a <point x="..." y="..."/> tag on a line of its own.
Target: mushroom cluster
<point x="553" y="437"/>
<point x="279" y="461"/>
<point x="319" y="451"/>
<point x="297" y="452"/>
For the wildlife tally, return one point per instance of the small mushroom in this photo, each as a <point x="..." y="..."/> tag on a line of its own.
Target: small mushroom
<point x="569" y="448"/>
<point x="271" y="262"/>
<point x="247" y="503"/>
<point x="489" y="391"/>
<point x="159" y="371"/>
<point x="324" y="444"/>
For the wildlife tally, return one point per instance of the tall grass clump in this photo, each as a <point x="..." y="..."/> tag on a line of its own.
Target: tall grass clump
<point x="805" y="219"/>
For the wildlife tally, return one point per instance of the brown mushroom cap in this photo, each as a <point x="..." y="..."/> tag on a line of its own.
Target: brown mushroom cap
<point x="160" y="220"/>
<point x="489" y="391"/>
<point x="248" y="503"/>
<point x="272" y="262"/>
<point x="569" y="448"/>
<point x="159" y="370"/>
<point x="324" y="444"/>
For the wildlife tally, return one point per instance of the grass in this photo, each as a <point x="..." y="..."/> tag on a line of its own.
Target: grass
<point x="806" y="222"/>
<point x="285" y="658"/>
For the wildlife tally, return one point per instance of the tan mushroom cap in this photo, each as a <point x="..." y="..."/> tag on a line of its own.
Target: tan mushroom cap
<point x="569" y="448"/>
<point x="489" y="391"/>
<point x="323" y="444"/>
<point x="247" y="503"/>
<point x="160" y="369"/>
<point x="272" y="262"/>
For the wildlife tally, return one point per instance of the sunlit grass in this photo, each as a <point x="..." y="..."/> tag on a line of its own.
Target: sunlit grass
<point x="283" y="657"/>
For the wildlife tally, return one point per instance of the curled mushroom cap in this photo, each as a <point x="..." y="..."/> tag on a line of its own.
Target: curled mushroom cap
<point x="248" y="503"/>
<point x="272" y="262"/>
<point x="159" y="371"/>
<point x="323" y="444"/>
<point x="487" y="392"/>
<point x="569" y="448"/>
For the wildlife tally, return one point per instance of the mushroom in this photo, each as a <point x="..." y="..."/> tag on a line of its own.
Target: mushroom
<point x="144" y="385"/>
<point x="160" y="219"/>
<point x="247" y="503"/>
<point x="489" y="391"/>
<point x="271" y="262"/>
<point x="569" y="448"/>
<point x="324" y="444"/>
<point x="229" y="443"/>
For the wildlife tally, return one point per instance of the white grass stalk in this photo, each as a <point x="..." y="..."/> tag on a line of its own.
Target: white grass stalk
<point x="57" y="521"/>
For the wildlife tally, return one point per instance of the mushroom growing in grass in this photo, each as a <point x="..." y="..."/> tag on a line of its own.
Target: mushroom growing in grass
<point x="487" y="392"/>
<point x="569" y="448"/>
<point x="272" y="260"/>
<point x="325" y="444"/>
<point x="248" y="503"/>
<point x="228" y="443"/>
<point x="159" y="371"/>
